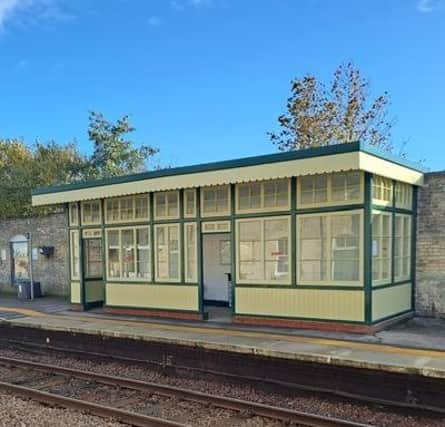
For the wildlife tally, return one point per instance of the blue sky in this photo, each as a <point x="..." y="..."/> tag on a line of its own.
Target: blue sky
<point x="205" y="80"/>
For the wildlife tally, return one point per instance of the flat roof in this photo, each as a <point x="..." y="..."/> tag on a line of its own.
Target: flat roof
<point x="290" y="164"/>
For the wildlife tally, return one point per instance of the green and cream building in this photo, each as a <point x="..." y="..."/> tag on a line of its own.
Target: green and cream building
<point x="322" y="237"/>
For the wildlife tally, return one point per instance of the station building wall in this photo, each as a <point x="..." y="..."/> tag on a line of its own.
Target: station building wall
<point x="430" y="286"/>
<point x="46" y="230"/>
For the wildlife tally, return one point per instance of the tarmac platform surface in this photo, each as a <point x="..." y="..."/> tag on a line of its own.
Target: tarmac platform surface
<point x="415" y="347"/>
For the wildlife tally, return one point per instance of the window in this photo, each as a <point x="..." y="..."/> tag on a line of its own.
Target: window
<point x="73" y="214"/>
<point x="263" y="250"/>
<point x="381" y="190"/>
<point x="404" y="195"/>
<point x="167" y="205"/>
<point x="402" y="248"/>
<point x="189" y="203"/>
<point x="329" y="248"/>
<point x="330" y="189"/>
<point x="93" y="258"/>
<point x="381" y="247"/>
<point x="167" y="252"/>
<point x="129" y="253"/>
<point x="191" y="249"/>
<point x="91" y="212"/>
<point x="127" y="209"/>
<point x="215" y="201"/>
<point x="263" y="196"/>
<point x="74" y="246"/>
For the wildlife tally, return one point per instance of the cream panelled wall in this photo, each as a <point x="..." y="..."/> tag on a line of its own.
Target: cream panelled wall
<point x="299" y="245"/>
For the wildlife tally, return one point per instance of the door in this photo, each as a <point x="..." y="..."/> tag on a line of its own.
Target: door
<point x="93" y="272"/>
<point x="217" y="267"/>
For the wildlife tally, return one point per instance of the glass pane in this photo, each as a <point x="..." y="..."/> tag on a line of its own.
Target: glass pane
<point x="75" y="254"/>
<point x="172" y="204"/>
<point x="160" y="205"/>
<point x="141" y="207"/>
<point x="128" y="254"/>
<point x="222" y="201"/>
<point x="209" y="201"/>
<point x="173" y="252"/>
<point x="143" y="261"/>
<point x="93" y="258"/>
<point x="345" y="235"/>
<point x="113" y="253"/>
<point x="95" y="212"/>
<point x="276" y="194"/>
<point x="189" y="202"/>
<point x="126" y="209"/>
<point x="249" y="196"/>
<point x="313" y="189"/>
<point x="191" y="252"/>
<point x="162" y="253"/>
<point x="276" y="234"/>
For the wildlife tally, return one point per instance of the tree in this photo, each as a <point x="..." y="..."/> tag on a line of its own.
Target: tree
<point x="316" y="116"/>
<point x="24" y="167"/>
<point x="114" y="155"/>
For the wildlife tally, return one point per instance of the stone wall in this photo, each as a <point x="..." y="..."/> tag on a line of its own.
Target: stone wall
<point x="430" y="292"/>
<point x="50" y="230"/>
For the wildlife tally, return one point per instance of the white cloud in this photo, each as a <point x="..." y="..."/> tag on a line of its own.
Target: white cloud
<point x="154" y="21"/>
<point x="427" y="6"/>
<point x="31" y="11"/>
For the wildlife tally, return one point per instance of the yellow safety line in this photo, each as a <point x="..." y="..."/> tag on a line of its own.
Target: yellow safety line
<point x="24" y="311"/>
<point x="385" y="348"/>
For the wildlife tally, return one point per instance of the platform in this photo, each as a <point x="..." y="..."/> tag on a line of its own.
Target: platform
<point x="392" y="350"/>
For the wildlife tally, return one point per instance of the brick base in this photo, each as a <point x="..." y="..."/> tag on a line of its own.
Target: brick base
<point x="76" y="307"/>
<point x="153" y="313"/>
<point x="356" y="328"/>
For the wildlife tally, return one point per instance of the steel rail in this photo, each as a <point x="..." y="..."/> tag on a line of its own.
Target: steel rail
<point x="268" y="411"/>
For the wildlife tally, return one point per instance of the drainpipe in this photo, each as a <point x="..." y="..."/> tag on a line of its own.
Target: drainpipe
<point x="30" y="265"/>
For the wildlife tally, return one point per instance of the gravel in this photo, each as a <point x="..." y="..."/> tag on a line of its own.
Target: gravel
<point x="303" y="401"/>
<point x="16" y="412"/>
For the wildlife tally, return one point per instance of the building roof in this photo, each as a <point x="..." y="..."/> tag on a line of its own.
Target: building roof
<point x="334" y="158"/>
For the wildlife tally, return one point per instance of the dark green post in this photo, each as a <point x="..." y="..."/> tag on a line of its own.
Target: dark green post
<point x="367" y="240"/>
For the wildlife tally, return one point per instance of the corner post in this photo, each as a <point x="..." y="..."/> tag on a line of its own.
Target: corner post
<point x="367" y="241"/>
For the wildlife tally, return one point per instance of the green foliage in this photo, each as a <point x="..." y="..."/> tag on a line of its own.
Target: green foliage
<point x="113" y="154"/>
<point x="317" y="116"/>
<point x="24" y="167"/>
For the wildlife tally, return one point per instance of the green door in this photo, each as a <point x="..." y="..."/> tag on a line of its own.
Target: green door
<point x="93" y="277"/>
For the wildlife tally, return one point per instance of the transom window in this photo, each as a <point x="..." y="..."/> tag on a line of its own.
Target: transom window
<point x="190" y="203"/>
<point x="167" y="253"/>
<point x="402" y="248"/>
<point x="91" y="212"/>
<point x="127" y="209"/>
<point x="128" y="255"/>
<point x="215" y="201"/>
<point x="329" y="248"/>
<point x="404" y="195"/>
<point x="263" y="250"/>
<point x="263" y="196"/>
<point x="166" y="205"/>
<point x="381" y="190"/>
<point x="74" y="214"/>
<point x="381" y="247"/>
<point x="330" y="189"/>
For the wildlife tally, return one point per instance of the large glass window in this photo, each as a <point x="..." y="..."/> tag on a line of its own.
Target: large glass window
<point x="404" y="195"/>
<point x="381" y="247"/>
<point x="129" y="253"/>
<point x="91" y="212"/>
<point x="127" y="209"/>
<point x="263" y="250"/>
<point x="402" y="248"/>
<point x="167" y="252"/>
<point x="330" y="189"/>
<point x="73" y="214"/>
<point x="74" y="246"/>
<point x="191" y="255"/>
<point x="167" y="205"/>
<point x="381" y="190"/>
<point x="329" y="248"/>
<point x="215" y="201"/>
<point x="270" y="195"/>
<point x="93" y="265"/>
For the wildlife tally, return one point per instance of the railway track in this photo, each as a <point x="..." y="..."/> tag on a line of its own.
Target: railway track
<point x="129" y="400"/>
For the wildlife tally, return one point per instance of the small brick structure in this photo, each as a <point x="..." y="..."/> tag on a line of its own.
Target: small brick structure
<point x="430" y="269"/>
<point x="46" y="230"/>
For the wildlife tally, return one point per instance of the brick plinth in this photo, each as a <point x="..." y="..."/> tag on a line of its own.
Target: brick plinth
<point x="154" y="313"/>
